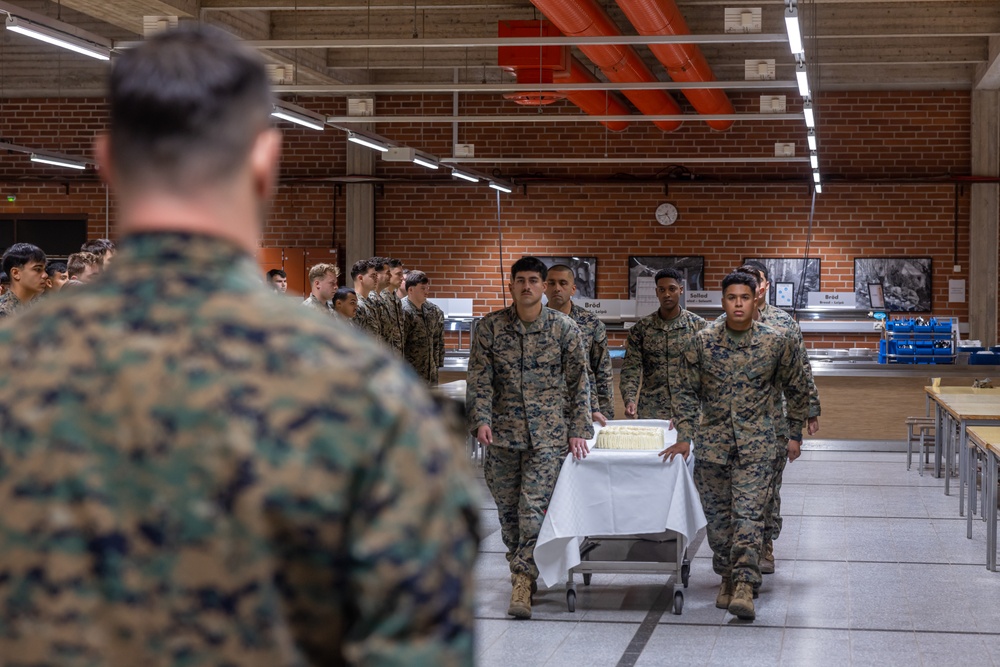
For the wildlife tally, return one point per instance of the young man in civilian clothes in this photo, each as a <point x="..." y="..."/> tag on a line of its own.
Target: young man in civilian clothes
<point x="424" y="346"/>
<point x="560" y="286"/>
<point x="727" y="376"/>
<point x="197" y="471"/>
<point x="393" y="320"/>
<point x="24" y="263"/>
<point x="528" y="396"/>
<point x="779" y="319"/>
<point x="653" y="351"/>
<point x="323" y="283"/>
<point x="367" y="316"/>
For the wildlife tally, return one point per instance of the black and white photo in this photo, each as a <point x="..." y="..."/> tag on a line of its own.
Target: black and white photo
<point x="691" y="267"/>
<point x="802" y="273"/>
<point x="906" y="282"/>
<point x="584" y="270"/>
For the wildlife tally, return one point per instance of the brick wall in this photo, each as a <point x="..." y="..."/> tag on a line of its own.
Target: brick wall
<point x="884" y="156"/>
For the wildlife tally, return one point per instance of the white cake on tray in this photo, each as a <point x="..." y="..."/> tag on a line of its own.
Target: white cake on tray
<point x="630" y="437"/>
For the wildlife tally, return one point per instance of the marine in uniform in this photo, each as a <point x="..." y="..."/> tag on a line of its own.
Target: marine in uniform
<point x="424" y="347"/>
<point x="653" y="351"/>
<point x="367" y="316"/>
<point x="725" y="395"/>
<point x="527" y="398"/>
<point x="196" y="470"/>
<point x="393" y="320"/>
<point x="24" y="265"/>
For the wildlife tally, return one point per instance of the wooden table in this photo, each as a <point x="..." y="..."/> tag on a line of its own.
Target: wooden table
<point x="939" y="396"/>
<point x="987" y="438"/>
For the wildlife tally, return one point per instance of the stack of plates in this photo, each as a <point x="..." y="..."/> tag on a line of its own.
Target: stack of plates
<point x="837" y="353"/>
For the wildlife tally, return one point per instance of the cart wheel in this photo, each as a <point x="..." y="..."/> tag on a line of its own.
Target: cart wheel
<point x="685" y="573"/>
<point x="586" y="578"/>
<point x="571" y="601"/>
<point x="678" y="603"/>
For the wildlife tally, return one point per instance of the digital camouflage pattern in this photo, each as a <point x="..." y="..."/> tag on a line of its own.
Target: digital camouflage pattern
<point x="9" y="303"/>
<point x="652" y="356"/>
<point x="198" y="472"/>
<point x="424" y="347"/>
<point x="522" y="482"/>
<point x="529" y="383"/>
<point x="393" y="322"/>
<point x="312" y="302"/>
<point x="367" y="317"/>
<point x="730" y="385"/>
<point x="595" y="343"/>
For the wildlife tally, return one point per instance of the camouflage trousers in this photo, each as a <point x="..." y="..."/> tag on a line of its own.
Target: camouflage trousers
<point x="772" y="510"/>
<point x="733" y="495"/>
<point x="521" y="482"/>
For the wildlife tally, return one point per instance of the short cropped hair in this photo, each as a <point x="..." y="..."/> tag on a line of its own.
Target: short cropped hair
<point x="563" y="267"/>
<point x="380" y="264"/>
<point x="529" y="263"/>
<point x="275" y="272"/>
<point x="54" y="267"/>
<point x="414" y="278"/>
<point x="78" y="262"/>
<point x="360" y="268"/>
<point x="21" y="254"/>
<point x="395" y="263"/>
<point x="760" y="267"/>
<point x="320" y="270"/>
<point x="99" y="247"/>
<point x="342" y="293"/>
<point x="668" y="272"/>
<point x="740" y="278"/>
<point x="186" y="107"/>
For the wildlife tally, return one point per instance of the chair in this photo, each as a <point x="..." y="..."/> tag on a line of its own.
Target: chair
<point x="917" y="431"/>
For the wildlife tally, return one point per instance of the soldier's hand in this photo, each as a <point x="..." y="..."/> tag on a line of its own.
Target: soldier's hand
<point x="682" y="448"/>
<point x="813" y="425"/>
<point x="794" y="449"/>
<point x="579" y="448"/>
<point x="630" y="409"/>
<point x="484" y="434"/>
<point x="600" y="419"/>
<point x="670" y="424"/>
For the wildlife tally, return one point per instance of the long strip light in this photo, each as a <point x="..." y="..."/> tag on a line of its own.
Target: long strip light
<point x="362" y="140"/>
<point x="816" y="176"/>
<point x="496" y="185"/>
<point x="464" y="176"/>
<point x="299" y="116"/>
<point x="813" y="160"/>
<point x="58" y="161"/>
<point x="57" y="38"/>
<point x="792" y="27"/>
<point x="811" y="139"/>
<point x="807" y="112"/>
<point x="425" y="161"/>
<point x="802" y="76"/>
<point x="819" y="188"/>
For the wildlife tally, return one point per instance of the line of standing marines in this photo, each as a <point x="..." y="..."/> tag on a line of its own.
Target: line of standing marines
<point x="739" y="389"/>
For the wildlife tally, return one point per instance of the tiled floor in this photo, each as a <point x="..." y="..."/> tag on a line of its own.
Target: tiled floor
<point x="873" y="569"/>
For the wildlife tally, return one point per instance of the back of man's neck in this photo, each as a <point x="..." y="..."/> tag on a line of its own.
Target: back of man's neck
<point x="209" y="217"/>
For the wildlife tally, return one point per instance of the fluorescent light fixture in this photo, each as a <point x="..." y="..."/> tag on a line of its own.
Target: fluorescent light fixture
<point x="792" y="26"/>
<point x="816" y="176"/>
<point x="811" y="139"/>
<point x="813" y="160"/>
<point x="428" y="161"/>
<point x="464" y="176"/>
<point x="299" y="116"/>
<point x="501" y="187"/>
<point x="802" y="76"/>
<point x="57" y="38"/>
<point x="58" y="161"/>
<point x="807" y="111"/>
<point x="362" y="140"/>
<point x="819" y="189"/>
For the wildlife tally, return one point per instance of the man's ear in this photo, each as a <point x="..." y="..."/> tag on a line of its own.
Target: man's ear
<point x="15" y="274"/>
<point x="264" y="157"/>
<point x="102" y="153"/>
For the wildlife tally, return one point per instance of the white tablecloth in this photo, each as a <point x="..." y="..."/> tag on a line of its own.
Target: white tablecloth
<point x="616" y="493"/>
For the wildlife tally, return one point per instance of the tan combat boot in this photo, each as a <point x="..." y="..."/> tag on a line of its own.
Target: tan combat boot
<point x="741" y="606"/>
<point x="520" y="597"/>
<point x="725" y="593"/>
<point x="767" y="558"/>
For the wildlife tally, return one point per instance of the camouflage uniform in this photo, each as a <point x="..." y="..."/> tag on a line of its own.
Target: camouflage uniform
<point x="777" y="318"/>
<point x="528" y="383"/>
<point x="595" y="343"/>
<point x="393" y="322"/>
<point x="312" y="302"/>
<point x="367" y="317"/>
<point x="424" y="339"/>
<point x="198" y="472"/>
<point x="730" y="385"/>
<point x="653" y="353"/>
<point x="9" y="303"/>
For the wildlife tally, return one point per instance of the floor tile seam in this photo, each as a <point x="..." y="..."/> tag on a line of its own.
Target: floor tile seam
<point x="866" y="562"/>
<point x="786" y="515"/>
<point x="514" y="621"/>
<point x="730" y="623"/>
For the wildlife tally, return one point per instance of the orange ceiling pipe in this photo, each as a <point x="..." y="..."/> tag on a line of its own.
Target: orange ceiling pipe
<point x="621" y="64"/>
<point x="684" y="62"/>
<point x="594" y="102"/>
<point x="532" y="64"/>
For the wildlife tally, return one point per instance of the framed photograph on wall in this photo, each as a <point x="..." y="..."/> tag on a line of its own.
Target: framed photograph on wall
<point x="584" y="270"/>
<point x="691" y="267"/>
<point x="783" y="294"/>
<point x="802" y="273"/>
<point x="906" y="282"/>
